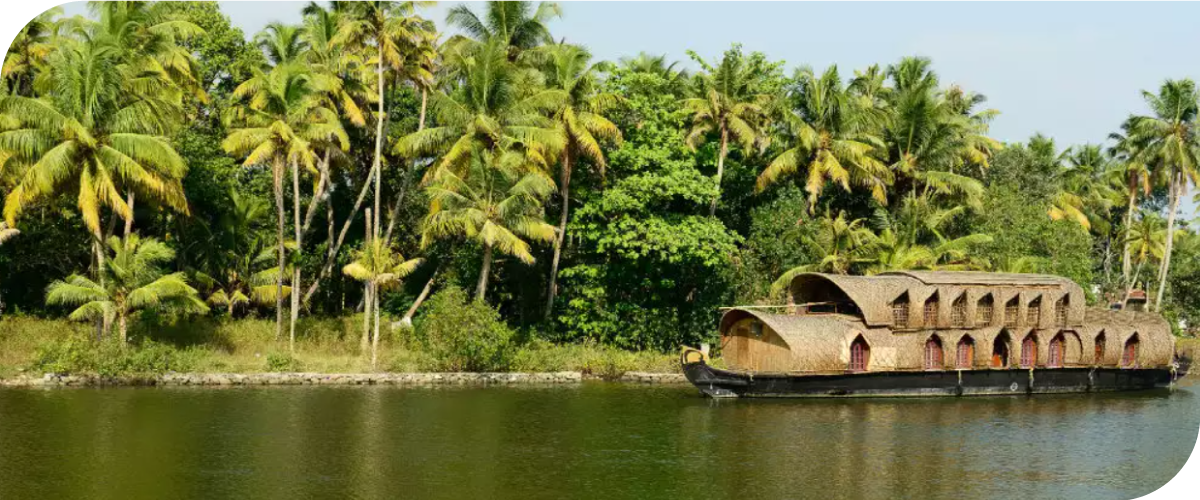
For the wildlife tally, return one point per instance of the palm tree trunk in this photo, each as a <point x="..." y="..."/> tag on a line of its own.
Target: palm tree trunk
<point x="322" y="183"/>
<point x="408" y="316"/>
<point x="280" y="221"/>
<point x="378" y="138"/>
<point x="102" y="325"/>
<point x="1132" y="283"/>
<point x="331" y="257"/>
<point x="481" y="290"/>
<point x="367" y="292"/>
<point x="712" y="209"/>
<point x="375" y="338"/>
<point x="122" y="325"/>
<point x="394" y="213"/>
<point x="129" y="220"/>
<point x="1125" y="264"/>
<point x="1177" y="190"/>
<point x="565" y="193"/>
<point x="295" y="268"/>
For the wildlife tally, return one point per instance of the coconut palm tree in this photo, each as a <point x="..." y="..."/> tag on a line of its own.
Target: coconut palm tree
<point x="28" y="52"/>
<point x="517" y="26"/>
<point x="379" y="267"/>
<point x="384" y="28"/>
<point x="497" y="203"/>
<point x="1086" y="190"/>
<point x="914" y="238"/>
<point x="725" y="102"/>
<point x="840" y="244"/>
<point x="490" y="109"/>
<point x="101" y="127"/>
<point x="1137" y="177"/>
<point x="282" y="43"/>
<point x="133" y="282"/>
<point x="830" y="138"/>
<point x="1168" y="138"/>
<point x="282" y="120"/>
<point x="580" y="120"/>
<point x="1146" y="239"/>
<point x="657" y="65"/>
<point x="249" y="278"/>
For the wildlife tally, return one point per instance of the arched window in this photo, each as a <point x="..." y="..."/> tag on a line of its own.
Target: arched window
<point x="966" y="352"/>
<point x="1033" y="314"/>
<point x="1000" y="350"/>
<point x="1060" y="312"/>
<point x="1100" y="344"/>
<point x="933" y="354"/>
<point x="1129" y="357"/>
<point x="900" y="311"/>
<point x="958" y="312"/>
<point x="984" y="310"/>
<point x="1058" y="351"/>
<point x="860" y="355"/>
<point x="931" y="311"/>
<point x="1029" y="351"/>
<point x="1011" y="309"/>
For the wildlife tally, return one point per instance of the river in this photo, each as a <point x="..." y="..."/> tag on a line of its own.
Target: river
<point x="596" y="440"/>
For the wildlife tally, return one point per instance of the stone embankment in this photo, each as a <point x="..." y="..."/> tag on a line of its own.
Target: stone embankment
<point x="278" y="379"/>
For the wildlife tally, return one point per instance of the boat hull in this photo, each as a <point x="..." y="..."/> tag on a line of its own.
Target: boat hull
<point x="717" y="383"/>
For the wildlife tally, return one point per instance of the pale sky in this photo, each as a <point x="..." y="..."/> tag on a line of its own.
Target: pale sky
<point x="1072" y="71"/>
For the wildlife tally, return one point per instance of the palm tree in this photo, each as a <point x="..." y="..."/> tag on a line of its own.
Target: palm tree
<point x="839" y="243"/>
<point x="249" y="278"/>
<point x="497" y="204"/>
<point x="1168" y="139"/>
<point x="379" y="267"/>
<point x="28" y="53"/>
<point x="914" y="238"/>
<point x="1137" y="177"/>
<point x="384" y="27"/>
<point x="133" y="282"/>
<point x="282" y="121"/>
<point x="1146" y="239"/>
<point x="98" y="127"/>
<point x="1086" y="191"/>
<point x="282" y="43"/>
<point x="581" y="121"/>
<point x="489" y="110"/>
<point x="932" y="130"/>
<point x="508" y="23"/>
<point x="725" y="102"/>
<point x="831" y="138"/>
<point x="657" y="65"/>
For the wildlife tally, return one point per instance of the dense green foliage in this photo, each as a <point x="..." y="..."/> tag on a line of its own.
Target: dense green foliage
<point x="594" y="203"/>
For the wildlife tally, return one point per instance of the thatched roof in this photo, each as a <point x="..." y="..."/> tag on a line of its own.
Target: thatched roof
<point x="874" y="295"/>
<point x="821" y="343"/>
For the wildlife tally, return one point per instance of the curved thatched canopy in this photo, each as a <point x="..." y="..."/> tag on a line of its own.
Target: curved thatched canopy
<point x="1038" y="297"/>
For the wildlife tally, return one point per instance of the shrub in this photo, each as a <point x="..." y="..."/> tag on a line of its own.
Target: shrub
<point x="78" y="354"/>
<point x="464" y="335"/>
<point x="282" y="362"/>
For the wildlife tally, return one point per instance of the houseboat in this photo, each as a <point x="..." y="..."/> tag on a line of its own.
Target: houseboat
<point x="927" y="333"/>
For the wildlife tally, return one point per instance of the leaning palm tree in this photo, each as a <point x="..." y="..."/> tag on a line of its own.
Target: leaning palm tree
<point x="1137" y="177"/>
<point x="497" y="204"/>
<point x="581" y="121"/>
<point x="517" y="26"/>
<point x="1146" y="239"/>
<point x="1168" y="138"/>
<point x="831" y="140"/>
<point x="725" y="102"/>
<point x="99" y="127"/>
<point x="379" y="267"/>
<point x="133" y="282"/>
<point x="281" y="122"/>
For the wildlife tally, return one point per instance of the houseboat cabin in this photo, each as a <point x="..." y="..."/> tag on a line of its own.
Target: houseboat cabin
<point x="934" y="333"/>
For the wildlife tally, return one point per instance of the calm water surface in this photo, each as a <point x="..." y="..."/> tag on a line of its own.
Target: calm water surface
<point x="594" y="441"/>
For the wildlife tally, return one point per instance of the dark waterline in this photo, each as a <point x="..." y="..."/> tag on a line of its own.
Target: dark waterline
<point x="595" y="441"/>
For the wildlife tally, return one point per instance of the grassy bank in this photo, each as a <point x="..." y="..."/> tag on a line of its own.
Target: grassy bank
<point x="1188" y="346"/>
<point x="325" y="345"/>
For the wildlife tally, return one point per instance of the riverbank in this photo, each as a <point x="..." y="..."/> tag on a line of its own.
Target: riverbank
<point x="328" y="348"/>
<point x="286" y="379"/>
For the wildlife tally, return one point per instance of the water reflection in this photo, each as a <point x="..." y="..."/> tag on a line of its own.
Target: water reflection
<point x="597" y="441"/>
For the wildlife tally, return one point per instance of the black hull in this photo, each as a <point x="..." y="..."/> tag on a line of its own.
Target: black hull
<point x="719" y="383"/>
